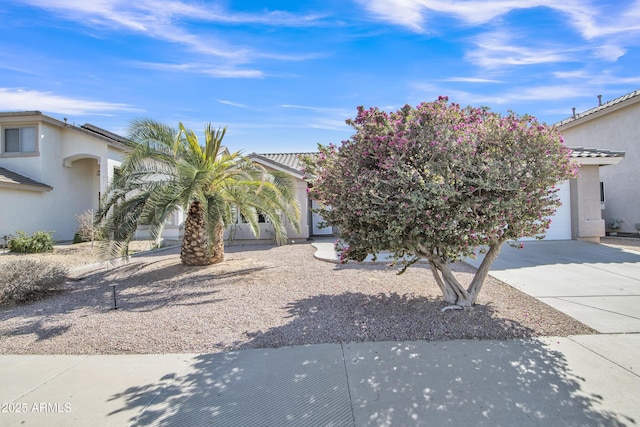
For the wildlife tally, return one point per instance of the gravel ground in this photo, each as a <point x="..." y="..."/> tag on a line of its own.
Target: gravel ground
<point x="261" y="296"/>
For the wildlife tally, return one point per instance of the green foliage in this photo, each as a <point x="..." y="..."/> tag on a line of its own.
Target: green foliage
<point x="439" y="182"/>
<point x="38" y="242"/>
<point x="169" y="170"/>
<point x="25" y="280"/>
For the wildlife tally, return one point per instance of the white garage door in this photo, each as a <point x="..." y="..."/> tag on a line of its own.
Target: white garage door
<point x="560" y="228"/>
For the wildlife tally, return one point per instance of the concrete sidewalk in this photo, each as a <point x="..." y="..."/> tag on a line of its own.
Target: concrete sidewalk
<point x="595" y="284"/>
<point x="576" y="381"/>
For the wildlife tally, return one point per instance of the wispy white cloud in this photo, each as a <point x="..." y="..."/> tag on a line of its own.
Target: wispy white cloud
<point x="326" y="123"/>
<point x="327" y="118"/>
<point x="471" y="80"/>
<point x="549" y="92"/>
<point x="596" y="79"/>
<point x="25" y="100"/>
<point x="583" y="15"/>
<point x="573" y="74"/>
<point x="617" y="26"/>
<point x="229" y="71"/>
<point x="233" y="104"/>
<point x="609" y="52"/>
<point x="558" y="92"/>
<point x="300" y="107"/>
<point x="498" y="48"/>
<point x="312" y="108"/>
<point x="165" y="20"/>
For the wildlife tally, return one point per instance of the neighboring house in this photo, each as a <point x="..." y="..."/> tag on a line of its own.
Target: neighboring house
<point x="51" y="171"/>
<point x="578" y="217"/>
<point x="310" y="222"/>
<point x="615" y="125"/>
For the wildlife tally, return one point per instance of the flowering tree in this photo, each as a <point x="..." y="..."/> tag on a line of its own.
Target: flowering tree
<point x="440" y="182"/>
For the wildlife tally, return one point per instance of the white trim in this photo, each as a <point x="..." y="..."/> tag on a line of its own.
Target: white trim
<point x="19" y="125"/>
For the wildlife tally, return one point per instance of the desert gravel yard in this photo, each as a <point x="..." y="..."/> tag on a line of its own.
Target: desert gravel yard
<point x="261" y="296"/>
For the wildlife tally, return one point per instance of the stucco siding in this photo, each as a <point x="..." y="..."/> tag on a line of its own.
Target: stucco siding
<point x="18" y="213"/>
<point x="243" y="232"/>
<point x="75" y="163"/>
<point x="617" y="130"/>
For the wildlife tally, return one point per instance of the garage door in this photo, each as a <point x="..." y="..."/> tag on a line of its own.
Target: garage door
<point x="560" y="228"/>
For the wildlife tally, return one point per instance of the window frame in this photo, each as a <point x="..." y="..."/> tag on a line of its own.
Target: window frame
<point x="3" y="140"/>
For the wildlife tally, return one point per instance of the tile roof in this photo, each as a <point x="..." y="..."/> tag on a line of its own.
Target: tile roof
<point x="290" y="161"/>
<point x="12" y="179"/>
<point x="604" y="106"/>
<point x="581" y="152"/>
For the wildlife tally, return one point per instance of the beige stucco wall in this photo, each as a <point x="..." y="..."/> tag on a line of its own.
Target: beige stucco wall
<point x="617" y="130"/>
<point x="586" y="220"/>
<point x="69" y="160"/>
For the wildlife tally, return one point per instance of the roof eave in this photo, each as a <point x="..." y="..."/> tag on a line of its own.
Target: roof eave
<point x="599" y="161"/>
<point x="599" y="111"/>
<point x="28" y="187"/>
<point x="275" y="165"/>
<point x="39" y="116"/>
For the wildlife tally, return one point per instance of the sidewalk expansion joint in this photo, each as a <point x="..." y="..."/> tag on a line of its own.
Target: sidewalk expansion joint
<point x="159" y="393"/>
<point x="52" y="378"/>
<point x="346" y="373"/>
<point x="597" y="308"/>
<point x="605" y="357"/>
<point x="608" y="271"/>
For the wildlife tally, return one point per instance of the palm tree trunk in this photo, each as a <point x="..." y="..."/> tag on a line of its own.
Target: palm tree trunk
<point x="196" y="249"/>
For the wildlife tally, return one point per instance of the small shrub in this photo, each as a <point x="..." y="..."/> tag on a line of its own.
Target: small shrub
<point x="38" y="242"/>
<point x="87" y="229"/>
<point x="25" y="280"/>
<point x="79" y="238"/>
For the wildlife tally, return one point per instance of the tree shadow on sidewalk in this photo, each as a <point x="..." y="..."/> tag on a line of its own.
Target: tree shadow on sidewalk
<point x="412" y="375"/>
<point x="480" y="383"/>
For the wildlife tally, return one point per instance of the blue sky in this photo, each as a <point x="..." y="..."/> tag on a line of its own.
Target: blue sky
<point x="284" y="75"/>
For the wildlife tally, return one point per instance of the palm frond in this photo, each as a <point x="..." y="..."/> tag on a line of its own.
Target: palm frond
<point x="169" y="169"/>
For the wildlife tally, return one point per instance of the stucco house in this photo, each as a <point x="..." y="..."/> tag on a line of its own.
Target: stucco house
<point x="51" y="171"/>
<point x="615" y="125"/>
<point x="310" y="222"/>
<point x="578" y="218"/>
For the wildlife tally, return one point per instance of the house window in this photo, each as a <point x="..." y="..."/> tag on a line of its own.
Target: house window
<point x="241" y="219"/>
<point x="601" y="192"/>
<point x="117" y="173"/>
<point x="19" y="140"/>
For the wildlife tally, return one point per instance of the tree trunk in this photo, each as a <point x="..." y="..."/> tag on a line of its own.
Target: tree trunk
<point x="447" y="291"/>
<point x="453" y="291"/>
<point x="196" y="248"/>
<point x="483" y="270"/>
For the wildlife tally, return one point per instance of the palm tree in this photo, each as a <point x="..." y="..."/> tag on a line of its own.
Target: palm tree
<point x="169" y="170"/>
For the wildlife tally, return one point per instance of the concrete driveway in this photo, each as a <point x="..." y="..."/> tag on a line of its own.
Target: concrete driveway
<point x="595" y="284"/>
